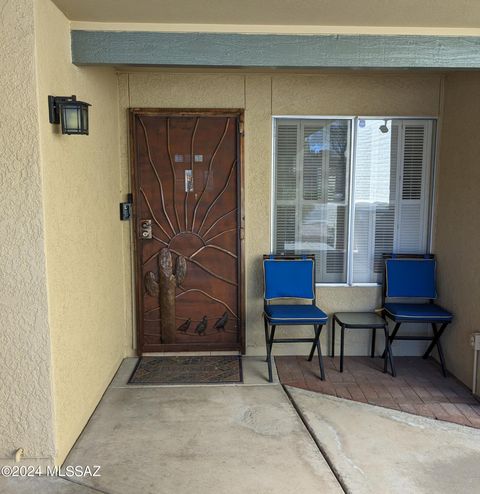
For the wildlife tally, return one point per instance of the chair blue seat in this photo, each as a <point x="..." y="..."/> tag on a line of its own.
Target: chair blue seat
<point x="295" y="314"/>
<point x="418" y="312"/>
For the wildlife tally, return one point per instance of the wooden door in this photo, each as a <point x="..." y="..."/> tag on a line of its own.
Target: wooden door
<point x="187" y="175"/>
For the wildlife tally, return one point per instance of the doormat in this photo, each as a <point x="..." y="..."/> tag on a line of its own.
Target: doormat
<point x="217" y="369"/>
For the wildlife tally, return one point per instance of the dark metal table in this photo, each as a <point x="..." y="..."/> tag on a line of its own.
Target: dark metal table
<point x="362" y="320"/>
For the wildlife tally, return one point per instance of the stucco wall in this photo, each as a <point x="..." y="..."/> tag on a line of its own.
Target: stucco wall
<point x="264" y="95"/>
<point x="457" y="219"/>
<point x="81" y="182"/>
<point x="25" y="383"/>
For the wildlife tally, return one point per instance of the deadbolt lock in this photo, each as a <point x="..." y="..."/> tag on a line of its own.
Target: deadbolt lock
<point x="146" y="229"/>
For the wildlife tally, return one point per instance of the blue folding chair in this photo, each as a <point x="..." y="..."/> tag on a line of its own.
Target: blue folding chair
<point x="410" y="276"/>
<point x="291" y="277"/>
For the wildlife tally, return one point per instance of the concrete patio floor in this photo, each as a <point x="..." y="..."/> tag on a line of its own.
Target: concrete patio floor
<point x="377" y="450"/>
<point x="259" y="437"/>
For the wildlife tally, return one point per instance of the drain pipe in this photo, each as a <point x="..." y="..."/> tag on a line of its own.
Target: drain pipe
<point x="475" y="342"/>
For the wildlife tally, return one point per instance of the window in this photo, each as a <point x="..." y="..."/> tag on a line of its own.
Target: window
<point x="346" y="211"/>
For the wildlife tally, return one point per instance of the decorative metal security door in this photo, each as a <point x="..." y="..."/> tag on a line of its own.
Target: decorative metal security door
<point x="188" y="229"/>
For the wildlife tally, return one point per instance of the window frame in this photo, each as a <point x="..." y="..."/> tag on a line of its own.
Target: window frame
<point x="351" y="174"/>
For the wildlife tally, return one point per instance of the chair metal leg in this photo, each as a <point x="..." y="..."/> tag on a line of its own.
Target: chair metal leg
<point x="314" y="346"/>
<point x="388" y="354"/>
<point x="269" y="353"/>
<point x="374" y="334"/>
<point x="272" y="336"/>
<point x="333" y="337"/>
<point x="436" y="336"/>
<point x="342" y="346"/>
<point x="392" y="336"/>
<point x="436" y="342"/>
<point x="385" y="359"/>
<point x="266" y="337"/>
<point x="442" y="358"/>
<point x="318" y="330"/>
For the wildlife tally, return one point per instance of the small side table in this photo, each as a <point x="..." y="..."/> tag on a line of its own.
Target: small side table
<point x="362" y="320"/>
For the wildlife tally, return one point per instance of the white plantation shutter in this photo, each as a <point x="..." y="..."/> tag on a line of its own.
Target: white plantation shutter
<point x="411" y="235"/>
<point x="337" y="199"/>
<point x="286" y="163"/>
<point x="314" y="156"/>
<point x="362" y="245"/>
<point x="311" y="200"/>
<point x="391" y="190"/>
<point x="286" y="187"/>
<point x="384" y="237"/>
<point x="285" y="229"/>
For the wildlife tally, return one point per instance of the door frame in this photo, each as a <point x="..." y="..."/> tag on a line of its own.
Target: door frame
<point x="181" y="112"/>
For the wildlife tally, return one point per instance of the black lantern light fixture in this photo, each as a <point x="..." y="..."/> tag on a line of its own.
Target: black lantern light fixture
<point x="72" y="114"/>
<point x="384" y="128"/>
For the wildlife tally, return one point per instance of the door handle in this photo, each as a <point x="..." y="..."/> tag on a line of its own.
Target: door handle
<point x="146" y="229"/>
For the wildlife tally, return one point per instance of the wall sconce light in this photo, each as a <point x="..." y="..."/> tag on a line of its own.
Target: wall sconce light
<point x="72" y="114"/>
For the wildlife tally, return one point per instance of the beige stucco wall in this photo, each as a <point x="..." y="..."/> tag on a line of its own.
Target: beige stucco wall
<point x="81" y="182"/>
<point x="458" y="223"/>
<point x="263" y="95"/>
<point x="25" y="368"/>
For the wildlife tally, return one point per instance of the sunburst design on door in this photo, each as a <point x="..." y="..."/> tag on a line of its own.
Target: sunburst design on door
<point x="189" y="231"/>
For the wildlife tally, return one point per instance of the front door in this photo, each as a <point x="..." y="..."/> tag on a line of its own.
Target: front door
<point x="188" y="228"/>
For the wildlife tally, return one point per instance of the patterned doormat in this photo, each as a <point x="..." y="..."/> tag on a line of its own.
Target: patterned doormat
<point x="188" y="370"/>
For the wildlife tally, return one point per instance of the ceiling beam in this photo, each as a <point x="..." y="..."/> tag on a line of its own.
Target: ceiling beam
<point x="274" y="51"/>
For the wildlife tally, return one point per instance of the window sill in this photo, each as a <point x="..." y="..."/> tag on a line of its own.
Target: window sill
<point x="346" y="285"/>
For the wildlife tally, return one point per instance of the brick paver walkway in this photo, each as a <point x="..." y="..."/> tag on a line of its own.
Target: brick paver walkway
<point x="419" y="387"/>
